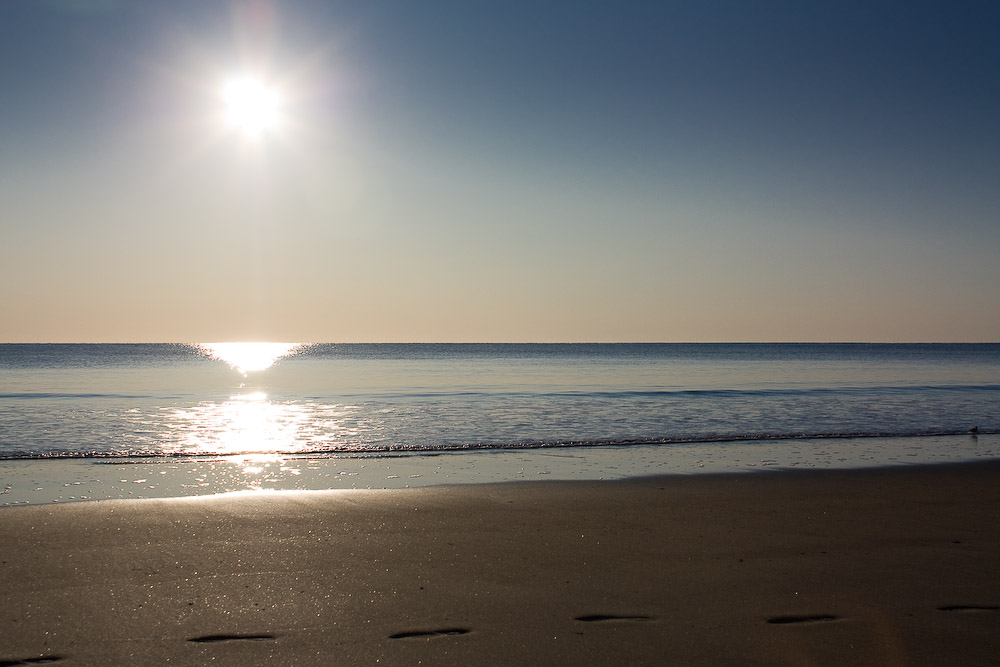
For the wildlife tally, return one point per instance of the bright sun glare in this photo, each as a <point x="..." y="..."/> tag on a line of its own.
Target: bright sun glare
<point x="251" y="105"/>
<point x="249" y="357"/>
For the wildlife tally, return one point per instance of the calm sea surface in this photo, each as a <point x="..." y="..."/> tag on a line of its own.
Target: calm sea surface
<point x="177" y="400"/>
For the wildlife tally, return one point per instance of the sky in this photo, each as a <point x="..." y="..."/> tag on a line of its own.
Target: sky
<point x="443" y="170"/>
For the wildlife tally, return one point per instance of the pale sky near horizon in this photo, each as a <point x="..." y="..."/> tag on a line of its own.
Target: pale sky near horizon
<point x="501" y="171"/>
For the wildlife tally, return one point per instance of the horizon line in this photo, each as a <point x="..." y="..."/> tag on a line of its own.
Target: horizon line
<point x="592" y="342"/>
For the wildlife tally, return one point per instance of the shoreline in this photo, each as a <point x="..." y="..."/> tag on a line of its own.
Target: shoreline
<point x="44" y="481"/>
<point x="828" y="567"/>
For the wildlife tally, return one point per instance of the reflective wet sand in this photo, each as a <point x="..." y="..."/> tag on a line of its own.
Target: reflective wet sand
<point x="862" y="567"/>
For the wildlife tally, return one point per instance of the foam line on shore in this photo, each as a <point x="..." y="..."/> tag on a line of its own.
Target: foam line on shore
<point x="48" y="481"/>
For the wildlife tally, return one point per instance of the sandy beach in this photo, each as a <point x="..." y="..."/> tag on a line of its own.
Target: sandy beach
<point x="890" y="566"/>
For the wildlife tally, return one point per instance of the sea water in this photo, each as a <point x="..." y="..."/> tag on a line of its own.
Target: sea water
<point x="687" y="403"/>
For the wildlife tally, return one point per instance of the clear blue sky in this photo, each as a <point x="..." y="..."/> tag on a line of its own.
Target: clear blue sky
<point x="503" y="171"/>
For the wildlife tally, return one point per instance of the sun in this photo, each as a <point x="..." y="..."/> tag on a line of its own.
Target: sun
<point x="251" y="105"/>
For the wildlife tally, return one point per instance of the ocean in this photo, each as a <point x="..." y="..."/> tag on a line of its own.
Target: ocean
<point x="188" y="403"/>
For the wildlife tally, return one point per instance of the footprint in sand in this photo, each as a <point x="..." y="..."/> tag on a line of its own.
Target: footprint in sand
<point x="602" y="618"/>
<point x="818" y="618"/>
<point x="426" y="634"/>
<point x="41" y="660"/>
<point x="208" y="639"/>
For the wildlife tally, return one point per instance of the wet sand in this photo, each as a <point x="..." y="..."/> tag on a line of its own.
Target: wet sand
<point x="865" y="567"/>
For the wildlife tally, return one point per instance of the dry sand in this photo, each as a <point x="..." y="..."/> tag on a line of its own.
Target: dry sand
<point x="871" y="567"/>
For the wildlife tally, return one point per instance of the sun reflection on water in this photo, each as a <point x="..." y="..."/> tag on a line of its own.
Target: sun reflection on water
<point x="250" y="433"/>
<point x="252" y="423"/>
<point x="249" y="357"/>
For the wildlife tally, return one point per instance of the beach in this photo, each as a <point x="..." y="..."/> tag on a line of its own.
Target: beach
<point x="879" y="566"/>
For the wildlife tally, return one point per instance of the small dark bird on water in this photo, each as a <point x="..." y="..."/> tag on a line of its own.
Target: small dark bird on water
<point x="974" y="430"/>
